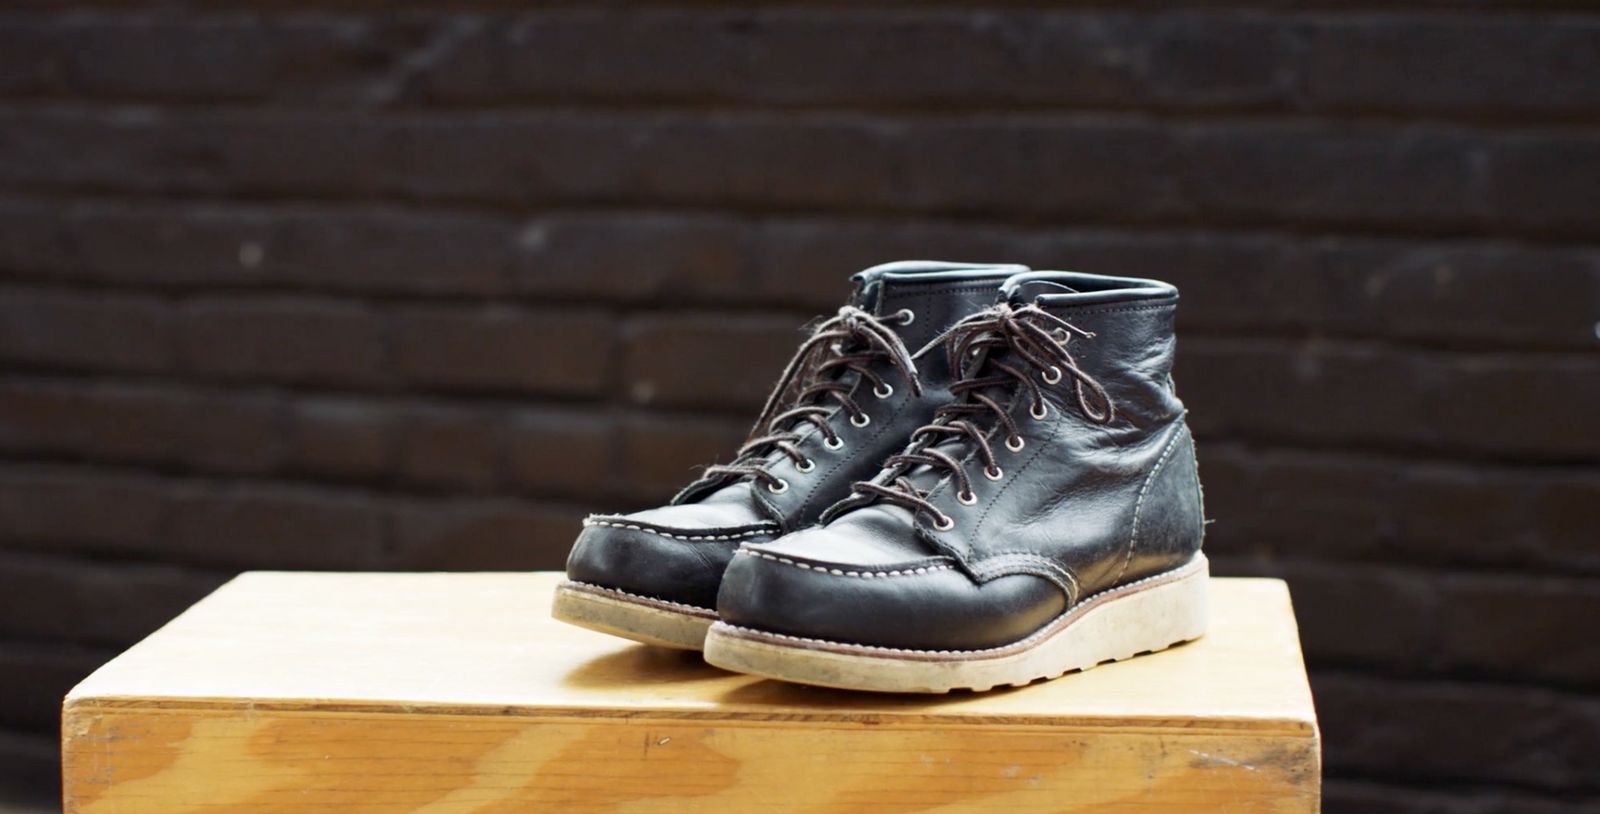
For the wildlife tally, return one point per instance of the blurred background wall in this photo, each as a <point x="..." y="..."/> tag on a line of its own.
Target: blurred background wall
<point x="347" y="284"/>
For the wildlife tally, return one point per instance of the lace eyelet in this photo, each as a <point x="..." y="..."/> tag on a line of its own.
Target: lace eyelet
<point x="1017" y="447"/>
<point x="1045" y="374"/>
<point x="1039" y="411"/>
<point x="906" y="316"/>
<point x="997" y="474"/>
<point x="945" y="523"/>
<point x="1061" y="335"/>
<point x="966" y="498"/>
<point x="883" y="392"/>
<point x="781" y="487"/>
<point x="805" y="466"/>
<point x="834" y="443"/>
<point x="865" y="420"/>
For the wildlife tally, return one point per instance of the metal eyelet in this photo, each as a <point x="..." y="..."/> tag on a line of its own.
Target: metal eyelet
<point x="945" y="523"/>
<point x="966" y="498"/>
<point x="805" y="466"/>
<point x="1039" y="411"/>
<point x="906" y="316"/>
<point x="1061" y="334"/>
<point x="1045" y="374"/>
<point x="783" y="486"/>
<point x="997" y="474"/>
<point x="883" y="392"/>
<point x="865" y="420"/>
<point x="1018" y="446"/>
<point x="833" y="443"/>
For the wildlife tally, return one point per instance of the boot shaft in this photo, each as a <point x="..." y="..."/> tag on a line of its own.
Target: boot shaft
<point x="1132" y="345"/>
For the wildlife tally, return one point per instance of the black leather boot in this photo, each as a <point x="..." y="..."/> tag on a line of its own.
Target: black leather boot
<point x="1047" y="520"/>
<point x="848" y="399"/>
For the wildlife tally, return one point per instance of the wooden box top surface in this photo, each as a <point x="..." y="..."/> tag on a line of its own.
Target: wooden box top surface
<point x="484" y="643"/>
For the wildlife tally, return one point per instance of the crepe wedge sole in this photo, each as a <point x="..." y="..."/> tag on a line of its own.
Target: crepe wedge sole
<point x="1141" y="617"/>
<point x="640" y="618"/>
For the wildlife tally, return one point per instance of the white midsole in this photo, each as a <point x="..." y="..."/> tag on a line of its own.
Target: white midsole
<point x="1144" y="616"/>
<point x="641" y="619"/>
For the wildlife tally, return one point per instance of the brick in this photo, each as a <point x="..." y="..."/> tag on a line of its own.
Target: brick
<point x="1073" y="167"/>
<point x="1233" y="282"/>
<point x="1562" y="518"/>
<point x="215" y="245"/>
<point x="1324" y="392"/>
<point x="284" y="340"/>
<point x="1305" y="173"/>
<point x="341" y="437"/>
<point x="482" y="534"/>
<point x="1407" y="289"/>
<point x="74" y="419"/>
<point x="68" y="600"/>
<point x="270" y="525"/>
<point x="661" y="454"/>
<point x="35" y="677"/>
<point x="1537" y="183"/>
<point x="809" y="57"/>
<point x="44" y="507"/>
<point x="222" y="431"/>
<point x="1498" y="517"/>
<point x="553" y="453"/>
<point x="1520" y="68"/>
<point x="1527" y="66"/>
<point x="317" y="59"/>
<point x="1522" y="626"/>
<point x="1363" y="797"/>
<point x="701" y="361"/>
<point x="30" y="771"/>
<point x="1277" y="503"/>
<point x="450" y="448"/>
<point x="137" y="423"/>
<point x="504" y="349"/>
<point x="1456" y="732"/>
<point x="1280" y="504"/>
<point x="1428" y="291"/>
<point x="233" y="433"/>
<point x="643" y="257"/>
<point x="1355" y="615"/>
<point x="85" y="331"/>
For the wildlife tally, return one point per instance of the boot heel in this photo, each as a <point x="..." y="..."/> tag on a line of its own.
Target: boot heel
<point x="1136" y="620"/>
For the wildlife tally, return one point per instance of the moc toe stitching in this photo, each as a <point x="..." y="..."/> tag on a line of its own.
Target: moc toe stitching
<point x="685" y="534"/>
<point x="841" y="570"/>
<point x="682" y="566"/>
<point x="924" y="604"/>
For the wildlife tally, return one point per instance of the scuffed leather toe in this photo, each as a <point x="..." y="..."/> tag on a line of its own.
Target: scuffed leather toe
<point x="925" y="604"/>
<point x="681" y="565"/>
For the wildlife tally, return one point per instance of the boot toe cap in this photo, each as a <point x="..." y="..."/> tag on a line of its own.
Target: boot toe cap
<point x="926" y="604"/>
<point x="682" y="565"/>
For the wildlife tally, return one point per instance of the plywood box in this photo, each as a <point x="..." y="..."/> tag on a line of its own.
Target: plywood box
<point x="457" y="694"/>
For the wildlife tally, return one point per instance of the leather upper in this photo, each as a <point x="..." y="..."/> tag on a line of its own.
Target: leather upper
<point x="1080" y="508"/>
<point x="678" y="552"/>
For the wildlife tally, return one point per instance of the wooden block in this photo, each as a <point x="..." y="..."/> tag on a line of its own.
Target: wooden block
<point x="457" y="694"/>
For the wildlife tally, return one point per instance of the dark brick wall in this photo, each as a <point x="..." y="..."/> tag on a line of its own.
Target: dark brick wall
<point x="349" y="284"/>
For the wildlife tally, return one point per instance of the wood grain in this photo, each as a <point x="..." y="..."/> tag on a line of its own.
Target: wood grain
<point x="456" y="693"/>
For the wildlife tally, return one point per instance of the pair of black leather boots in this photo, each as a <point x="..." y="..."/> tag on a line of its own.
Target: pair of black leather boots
<point x="972" y="476"/>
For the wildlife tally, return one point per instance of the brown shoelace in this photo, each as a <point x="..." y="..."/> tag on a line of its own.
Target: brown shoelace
<point x="812" y="385"/>
<point x="986" y="348"/>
